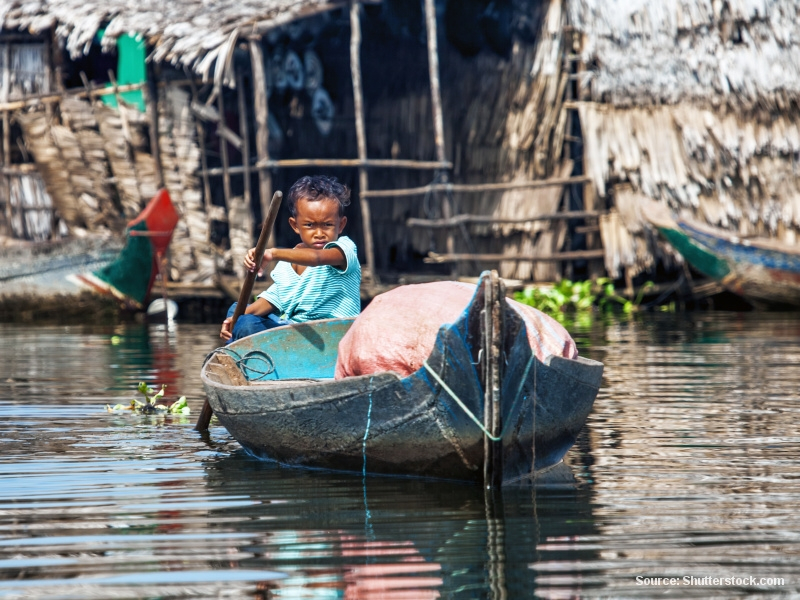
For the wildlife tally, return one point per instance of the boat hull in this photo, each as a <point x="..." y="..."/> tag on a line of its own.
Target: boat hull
<point x="761" y="271"/>
<point x="385" y="424"/>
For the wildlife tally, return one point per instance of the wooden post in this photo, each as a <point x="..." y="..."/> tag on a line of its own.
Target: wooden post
<point x="433" y="73"/>
<point x="494" y="292"/>
<point x="5" y="149"/>
<point x="48" y="108"/>
<point x="201" y="141"/>
<point x="262" y="119"/>
<point x="4" y="95"/>
<point x="361" y="138"/>
<point x="436" y="109"/>
<point x="56" y="59"/>
<point x="223" y="152"/>
<point x="151" y="108"/>
<point x="244" y="132"/>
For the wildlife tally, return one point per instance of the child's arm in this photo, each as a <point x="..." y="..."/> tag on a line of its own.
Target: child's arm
<point x="299" y="255"/>
<point x="259" y="308"/>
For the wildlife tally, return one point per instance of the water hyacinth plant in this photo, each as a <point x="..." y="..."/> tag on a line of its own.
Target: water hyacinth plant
<point x="179" y="407"/>
<point x="578" y="299"/>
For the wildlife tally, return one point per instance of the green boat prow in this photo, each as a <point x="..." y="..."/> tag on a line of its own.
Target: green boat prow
<point x="696" y="255"/>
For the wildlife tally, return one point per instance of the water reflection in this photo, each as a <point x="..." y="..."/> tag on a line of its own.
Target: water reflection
<point x="692" y="454"/>
<point x="349" y="537"/>
<point x="688" y="468"/>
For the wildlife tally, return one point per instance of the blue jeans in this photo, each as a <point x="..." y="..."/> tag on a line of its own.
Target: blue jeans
<point x="250" y="324"/>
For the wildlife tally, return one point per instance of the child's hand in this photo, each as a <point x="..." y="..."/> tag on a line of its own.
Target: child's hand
<point x="225" y="332"/>
<point x="250" y="259"/>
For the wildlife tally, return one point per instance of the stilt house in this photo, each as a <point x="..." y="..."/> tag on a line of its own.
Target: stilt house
<point x="510" y="134"/>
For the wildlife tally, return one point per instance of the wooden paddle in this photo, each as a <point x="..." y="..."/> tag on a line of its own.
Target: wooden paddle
<point x="247" y="289"/>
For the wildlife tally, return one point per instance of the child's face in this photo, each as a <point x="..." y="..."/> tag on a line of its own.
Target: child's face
<point x="317" y="222"/>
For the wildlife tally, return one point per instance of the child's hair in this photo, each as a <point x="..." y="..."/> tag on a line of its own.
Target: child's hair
<point x="318" y="187"/>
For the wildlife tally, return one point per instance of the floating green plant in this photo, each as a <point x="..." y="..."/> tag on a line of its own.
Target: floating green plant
<point x="150" y="405"/>
<point x="579" y="299"/>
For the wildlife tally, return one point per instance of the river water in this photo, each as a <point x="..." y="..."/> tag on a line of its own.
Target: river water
<point x="684" y="483"/>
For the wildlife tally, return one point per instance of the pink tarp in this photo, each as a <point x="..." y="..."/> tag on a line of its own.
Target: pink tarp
<point x="398" y="329"/>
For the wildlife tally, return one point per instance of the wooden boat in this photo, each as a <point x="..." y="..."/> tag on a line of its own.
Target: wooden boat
<point x="121" y="268"/>
<point x="482" y="408"/>
<point x="763" y="271"/>
<point x="129" y="278"/>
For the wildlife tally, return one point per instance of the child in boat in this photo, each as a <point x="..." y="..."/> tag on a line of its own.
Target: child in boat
<point x="320" y="278"/>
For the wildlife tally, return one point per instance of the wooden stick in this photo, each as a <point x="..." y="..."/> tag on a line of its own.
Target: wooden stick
<point x="437" y="113"/>
<point x="433" y="73"/>
<point x="478" y="187"/>
<point x="261" y="107"/>
<point x="263" y="166"/>
<point x="244" y="133"/>
<point x="50" y="98"/>
<point x="494" y="292"/>
<point x="361" y="138"/>
<point x="151" y="108"/>
<point x="561" y="256"/>
<point x="5" y="145"/>
<point x="5" y="88"/>
<point x="489" y="220"/>
<point x="261" y="246"/>
<point x="355" y="162"/>
<point x="247" y="288"/>
<point x="223" y="152"/>
<point x="201" y="141"/>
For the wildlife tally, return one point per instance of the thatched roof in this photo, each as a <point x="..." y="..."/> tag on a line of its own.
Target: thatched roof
<point x="741" y="52"/>
<point x="191" y="33"/>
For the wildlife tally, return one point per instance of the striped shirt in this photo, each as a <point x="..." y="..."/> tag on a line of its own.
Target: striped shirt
<point x="324" y="292"/>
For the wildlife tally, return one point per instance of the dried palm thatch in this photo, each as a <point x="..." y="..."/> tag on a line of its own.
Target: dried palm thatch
<point x="741" y="52"/>
<point x="696" y="106"/>
<point x="196" y="34"/>
<point x="79" y="188"/>
<point x="74" y="158"/>
<point x="131" y="165"/>
<point x="191" y="254"/>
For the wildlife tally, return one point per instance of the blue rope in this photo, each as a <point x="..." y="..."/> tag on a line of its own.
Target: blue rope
<point x="366" y="431"/>
<point x="370" y="534"/>
<point x="470" y="414"/>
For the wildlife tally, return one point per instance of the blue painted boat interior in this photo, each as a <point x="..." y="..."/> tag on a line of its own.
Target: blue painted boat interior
<point x="298" y="351"/>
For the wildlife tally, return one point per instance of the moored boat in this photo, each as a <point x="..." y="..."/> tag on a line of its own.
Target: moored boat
<point x="482" y="407"/>
<point x="763" y="271"/>
<point x="122" y="268"/>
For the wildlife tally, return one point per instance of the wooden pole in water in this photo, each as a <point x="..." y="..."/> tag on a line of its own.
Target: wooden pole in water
<point x="361" y="137"/>
<point x="247" y="288"/>
<point x="494" y="293"/>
